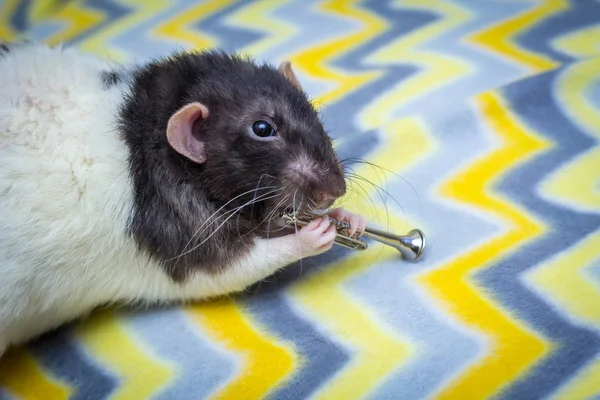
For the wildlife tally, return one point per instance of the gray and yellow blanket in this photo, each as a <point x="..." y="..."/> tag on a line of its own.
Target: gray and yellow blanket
<point x="485" y="116"/>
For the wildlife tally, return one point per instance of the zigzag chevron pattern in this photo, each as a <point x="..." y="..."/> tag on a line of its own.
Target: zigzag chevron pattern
<point x="485" y="119"/>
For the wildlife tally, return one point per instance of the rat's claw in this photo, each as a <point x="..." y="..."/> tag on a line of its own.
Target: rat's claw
<point x="357" y="222"/>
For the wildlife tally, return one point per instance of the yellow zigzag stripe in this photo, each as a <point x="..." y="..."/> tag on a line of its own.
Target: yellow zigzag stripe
<point x="513" y="348"/>
<point x="40" y="10"/>
<point x="580" y="44"/>
<point x="179" y="30"/>
<point x="7" y="9"/>
<point x="377" y="351"/>
<point x="258" y="15"/>
<point x="99" y="42"/>
<point x="576" y="183"/>
<point x="21" y="375"/>
<point x="106" y="338"/>
<point x="436" y="69"/>
<point x="563" y="280"/>
<point x="573" y="85"/>
<point x="314" y="60"/>
<point x="77" y="20"/>
<point x="266" y="362"/>
<point x="499" y="38"/>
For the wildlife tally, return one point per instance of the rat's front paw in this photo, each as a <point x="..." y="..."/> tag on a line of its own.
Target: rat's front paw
<point x="316" y="238"/>
<point x="358" y="223"/>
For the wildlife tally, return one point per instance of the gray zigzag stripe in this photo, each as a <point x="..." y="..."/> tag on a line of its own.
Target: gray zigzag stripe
<point x="201" y="366"/>
<point x="231" y="38"/>
<point x="403" y="303"/>
<point x="142" y="45"/>
<point x="539" y="38"/>
<point x="533" y="100"/>
<point x="595" y="272"/>
<point x="58" y="352"/>
<point x="488" y="71"/>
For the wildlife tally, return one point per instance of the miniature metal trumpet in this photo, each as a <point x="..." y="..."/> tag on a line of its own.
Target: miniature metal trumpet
<point x="411" y="245"/>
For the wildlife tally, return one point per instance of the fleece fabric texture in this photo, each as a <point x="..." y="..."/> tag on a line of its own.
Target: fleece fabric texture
<point x="484" y="117"/>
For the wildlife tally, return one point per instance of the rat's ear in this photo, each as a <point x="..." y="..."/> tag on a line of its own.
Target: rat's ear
<point x="180" y="132"/>
<point x="285" y="68"/>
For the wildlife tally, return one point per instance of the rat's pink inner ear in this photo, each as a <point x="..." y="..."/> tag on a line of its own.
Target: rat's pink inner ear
<point x="180" y="132"/>
<point x="285" y="68"/>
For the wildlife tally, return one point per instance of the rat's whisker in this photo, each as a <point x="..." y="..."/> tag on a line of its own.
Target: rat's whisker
<point x="207" y="223"/>
<point x="373" y="165"/>
<point x="379" y="190"/>
<point x="365" y="195"/>
<point x="275" y="210"/>
<point x="314" y="206"/>
<point x="258" y="185"/>
<point x="352" y="178"/>
<point x="231" y="213"/>
<point x="252" y="202"/>
<point x="294" y="201"/>
<point x="272" y="215"/>
<point x="221" y="225"/>
<point x="294" y="209"/>
<point x="221" y="208"/>
<point x="237" y="220"/>
<point x="269" y="216"/>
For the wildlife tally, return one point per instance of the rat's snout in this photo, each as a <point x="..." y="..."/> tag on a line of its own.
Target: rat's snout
<point x="325" y="196"/>
<point x="323" y="182"/>
<point x="325" y="199"/>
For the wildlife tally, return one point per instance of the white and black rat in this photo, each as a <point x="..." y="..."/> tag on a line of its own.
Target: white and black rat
<point x="154" y="183"/>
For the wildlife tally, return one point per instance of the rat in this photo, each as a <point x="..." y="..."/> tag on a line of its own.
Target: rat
<point x="157" y="182"/>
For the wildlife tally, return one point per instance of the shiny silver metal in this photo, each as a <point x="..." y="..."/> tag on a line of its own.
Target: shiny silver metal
<point x="411" y="245"/>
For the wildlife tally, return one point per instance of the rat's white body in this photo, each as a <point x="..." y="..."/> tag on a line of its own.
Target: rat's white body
<point x="66" y="197"/>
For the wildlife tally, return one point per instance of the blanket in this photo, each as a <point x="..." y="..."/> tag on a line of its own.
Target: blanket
<point x="475" y="121"/>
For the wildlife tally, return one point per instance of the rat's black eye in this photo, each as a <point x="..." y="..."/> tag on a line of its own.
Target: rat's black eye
<point x="263" y="129"/>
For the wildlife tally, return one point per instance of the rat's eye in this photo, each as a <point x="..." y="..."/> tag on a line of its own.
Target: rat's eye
<point x="263" y="129"/>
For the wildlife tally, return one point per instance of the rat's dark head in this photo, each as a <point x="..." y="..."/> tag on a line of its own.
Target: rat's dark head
<point x="256" y="136"/>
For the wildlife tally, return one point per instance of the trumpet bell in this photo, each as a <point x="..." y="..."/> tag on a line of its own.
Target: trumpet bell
<point x="411" y="245"/>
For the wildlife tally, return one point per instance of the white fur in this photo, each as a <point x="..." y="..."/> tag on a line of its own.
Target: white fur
<point x="65" y="198"/>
